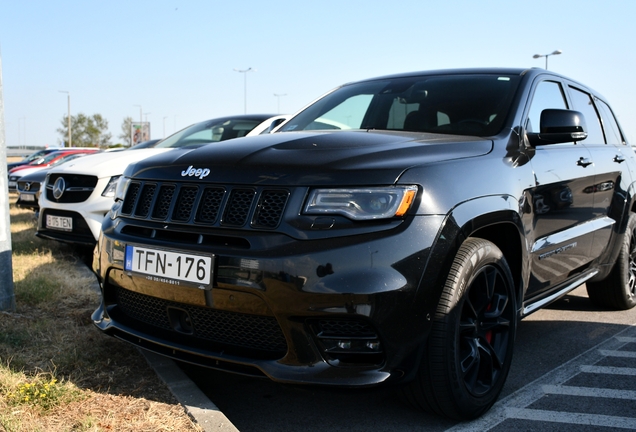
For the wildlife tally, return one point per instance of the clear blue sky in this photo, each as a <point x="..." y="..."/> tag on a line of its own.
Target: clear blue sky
<point x="176" y="58"/>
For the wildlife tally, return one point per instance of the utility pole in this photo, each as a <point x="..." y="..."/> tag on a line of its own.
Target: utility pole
<point x="70" y="144"/>
<point x="244" y="72"/>
<point x="7" y="297"/>
<point x="278" y="96"/>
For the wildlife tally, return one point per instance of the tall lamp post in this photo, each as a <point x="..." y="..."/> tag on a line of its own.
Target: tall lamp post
<point x="244" y="72"/>
<point x="555" y="52"/>
<point x="141" y="124"/>
<point x="70" y="144"/>
<point x="142" y="135"/>
<point x="278" y="96"/>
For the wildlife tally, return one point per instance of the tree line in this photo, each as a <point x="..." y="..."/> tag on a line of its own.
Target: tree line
<point x="92" y="131"/>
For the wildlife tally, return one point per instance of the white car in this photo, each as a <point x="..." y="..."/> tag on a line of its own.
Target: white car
<point x="77" y="195"/>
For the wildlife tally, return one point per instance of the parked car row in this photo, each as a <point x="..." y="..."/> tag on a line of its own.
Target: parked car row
<point x="47" y="161"/>
<point x="30" y="181"/>
<point x="76" y="196"/>
<point x="393" y="232"/>
<point x="33" y="156"/>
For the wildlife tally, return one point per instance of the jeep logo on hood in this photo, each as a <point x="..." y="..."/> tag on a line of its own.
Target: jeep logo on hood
<point x="196" y="172"/>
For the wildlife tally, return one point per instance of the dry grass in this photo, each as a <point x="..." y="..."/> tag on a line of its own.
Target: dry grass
<point x="58" y="372"/>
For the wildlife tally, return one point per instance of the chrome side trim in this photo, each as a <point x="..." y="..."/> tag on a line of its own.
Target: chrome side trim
<point x="544" y="301"/>
<point x="571" y="233"/>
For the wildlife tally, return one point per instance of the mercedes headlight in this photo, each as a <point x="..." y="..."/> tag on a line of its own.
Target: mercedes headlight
<point x="111" y="187"/>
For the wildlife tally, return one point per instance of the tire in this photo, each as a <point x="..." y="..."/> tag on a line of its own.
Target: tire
<point x="618" y="290"/>
<point x="469" y="350"/>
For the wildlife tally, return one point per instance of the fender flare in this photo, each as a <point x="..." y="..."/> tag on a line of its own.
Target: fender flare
<point x="464" y="220"/>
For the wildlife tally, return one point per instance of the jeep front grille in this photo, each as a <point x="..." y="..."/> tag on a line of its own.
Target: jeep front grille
<point x="223" y="206"/>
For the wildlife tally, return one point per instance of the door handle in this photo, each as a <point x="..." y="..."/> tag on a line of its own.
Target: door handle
<point x="619" y="158"/>
<point x="584" y="162"/>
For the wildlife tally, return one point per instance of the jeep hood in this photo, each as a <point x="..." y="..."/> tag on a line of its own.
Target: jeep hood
<point x="105" y="164"/>
<point x="310" y="158"/>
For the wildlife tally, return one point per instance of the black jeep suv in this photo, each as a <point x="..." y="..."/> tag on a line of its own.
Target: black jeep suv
<point x="394" y="231"/>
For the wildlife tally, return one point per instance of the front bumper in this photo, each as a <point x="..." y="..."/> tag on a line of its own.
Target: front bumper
<point x="338" y="311"/>
<point x="87" y="216"/>
<point x="27" y="201"/>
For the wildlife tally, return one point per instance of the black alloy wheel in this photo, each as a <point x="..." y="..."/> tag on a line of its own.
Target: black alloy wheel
<point x="484" y="330"/>
<point x="618" y="290"/>
<point x="469" y="350"/>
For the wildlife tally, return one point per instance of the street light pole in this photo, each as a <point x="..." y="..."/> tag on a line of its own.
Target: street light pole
<point x="244" y="72"/>
<point x="70" y="144"/>
<point x="278" y="96"/>
<point x="143" y="137"/>
<point x="555" y="52"/>
<point x="141" y="124"/>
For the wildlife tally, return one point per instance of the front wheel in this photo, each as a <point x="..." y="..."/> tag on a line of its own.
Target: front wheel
<point x="469" y="350"/>
<point x="618" y="290"/>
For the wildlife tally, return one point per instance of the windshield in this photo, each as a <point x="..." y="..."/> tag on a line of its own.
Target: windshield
<point x="34" y="156"/>
<point x="469" y="104"/>
<point x="46" y="159"/>
<point x="67" y="158"/>
<point x="209" y="132"/>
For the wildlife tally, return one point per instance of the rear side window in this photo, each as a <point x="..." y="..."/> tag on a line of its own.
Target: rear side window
<point x="610" y="125"/>
<point x="583" y="102"/>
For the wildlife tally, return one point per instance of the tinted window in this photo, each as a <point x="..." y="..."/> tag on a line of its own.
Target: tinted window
<point x="548" y="95"/>
<point x="347" y="115"/>
<point x="468" y="104"/>
<point x="612" y="131"/>
<point x="208" y="132"/>
<point x="583" y="102"/>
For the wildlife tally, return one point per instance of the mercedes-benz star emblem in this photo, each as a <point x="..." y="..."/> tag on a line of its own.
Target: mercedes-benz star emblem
<point x="27" y="186"/>
<point x="58" y="188"/>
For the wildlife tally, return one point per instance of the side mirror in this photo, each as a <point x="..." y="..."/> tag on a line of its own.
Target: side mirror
<point x="559" y="126"/>
<point x="274" y="125"/>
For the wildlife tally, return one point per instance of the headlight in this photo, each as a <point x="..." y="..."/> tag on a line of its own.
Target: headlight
<point x="111" y="187"/>
<point x="363" y="203"/>
<point x="121" y="188"/>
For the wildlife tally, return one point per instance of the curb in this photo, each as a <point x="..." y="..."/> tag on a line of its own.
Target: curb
<point x="196" y="403"/>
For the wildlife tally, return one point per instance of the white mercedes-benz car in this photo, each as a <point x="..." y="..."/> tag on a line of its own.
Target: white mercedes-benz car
<point x="77" y="195"/>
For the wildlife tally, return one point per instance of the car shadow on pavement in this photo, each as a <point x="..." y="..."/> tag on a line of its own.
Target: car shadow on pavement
<point x="256" y="404"/>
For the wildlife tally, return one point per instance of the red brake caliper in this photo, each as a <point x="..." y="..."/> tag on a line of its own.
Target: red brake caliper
<point x="489" y="332"/>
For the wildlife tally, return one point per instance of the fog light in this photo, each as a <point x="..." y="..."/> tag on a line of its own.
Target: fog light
<point x="344" y="344"/>
<point x="373" y="345"/>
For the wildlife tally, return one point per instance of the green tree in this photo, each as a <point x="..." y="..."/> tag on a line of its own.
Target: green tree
<point x="86" y="131"/>
<point x="125" y="134"/>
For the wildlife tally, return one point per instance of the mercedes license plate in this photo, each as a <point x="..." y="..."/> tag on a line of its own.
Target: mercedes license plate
<point x="62" y="223"/>
<point x="175" y="268"/>
<point x="27" y="197"/>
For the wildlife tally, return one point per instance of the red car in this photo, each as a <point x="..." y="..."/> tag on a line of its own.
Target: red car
<point x="51" y="158"/>
<point x="47" y="161"/>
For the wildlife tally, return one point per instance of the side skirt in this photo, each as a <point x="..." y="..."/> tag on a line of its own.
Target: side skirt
<point x="535" y="304"/>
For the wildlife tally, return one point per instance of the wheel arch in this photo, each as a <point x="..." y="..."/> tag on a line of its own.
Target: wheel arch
<point x="493" y="218"/>
<point x="503" y="227"/>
